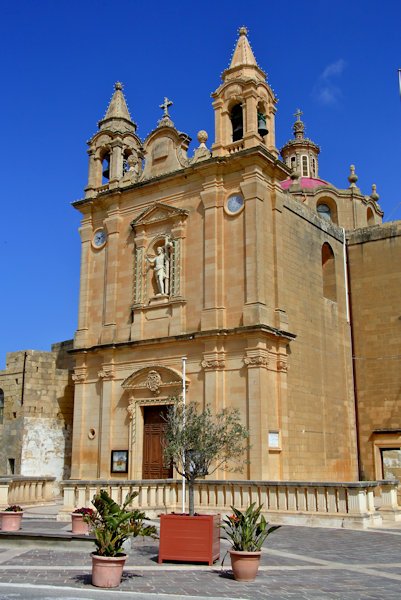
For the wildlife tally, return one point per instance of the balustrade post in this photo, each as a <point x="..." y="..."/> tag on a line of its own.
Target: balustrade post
<point x="4" y="494"/>
<point x="389" y="509"/>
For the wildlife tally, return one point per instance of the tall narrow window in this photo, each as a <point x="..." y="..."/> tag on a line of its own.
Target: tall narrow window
<point x="370" y="216"/>
<point x="106" y="168"/>
<point x="293" y="162"/>
<point x="237" y="122"/>
<point x="313" y="167"/>
<point x="1" y="406"/>
<point x="305" y="170"/>
<point x="329" y="273"/>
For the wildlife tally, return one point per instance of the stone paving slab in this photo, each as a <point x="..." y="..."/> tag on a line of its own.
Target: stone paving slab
<point x="298" y="563"/>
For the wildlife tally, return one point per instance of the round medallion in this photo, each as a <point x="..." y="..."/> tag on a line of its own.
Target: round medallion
<point x="234" y="204"/>
<point x="99" y="238"/>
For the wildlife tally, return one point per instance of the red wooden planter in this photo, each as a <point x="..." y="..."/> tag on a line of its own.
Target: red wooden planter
<point x="189" y="539"/>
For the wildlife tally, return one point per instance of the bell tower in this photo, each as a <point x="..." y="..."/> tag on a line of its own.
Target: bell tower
<point x="244" y="104"/>
<point x="114" y="145"/>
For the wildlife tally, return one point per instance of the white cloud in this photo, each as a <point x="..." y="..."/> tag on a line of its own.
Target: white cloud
<point x="326" y="90"/>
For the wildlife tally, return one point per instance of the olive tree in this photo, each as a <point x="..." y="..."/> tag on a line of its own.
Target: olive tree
<point x="198" y="443"/>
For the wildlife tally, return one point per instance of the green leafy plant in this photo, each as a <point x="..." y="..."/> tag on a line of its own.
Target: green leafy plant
<point x="14" y="508"/>
<point x="247" y="530"/>
<point x="198" y="443"/>
<point x="112" y="524"/>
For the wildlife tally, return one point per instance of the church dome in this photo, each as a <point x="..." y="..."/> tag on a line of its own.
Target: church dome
<point x="308" y="183"/>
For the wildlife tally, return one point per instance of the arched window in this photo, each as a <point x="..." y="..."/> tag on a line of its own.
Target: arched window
<point x="237" y="122"/>
<point x="305" y="170"/>
<point x="1" y="406"/>
<point x="324" y="211"/>
<point x="370" y="216"/>
<point x="106" y="168"/>
<point x="293" y="162"/>
<point x="327" y="209"/>
<point x="329" y="273"/>
<point x="313" y="167"/>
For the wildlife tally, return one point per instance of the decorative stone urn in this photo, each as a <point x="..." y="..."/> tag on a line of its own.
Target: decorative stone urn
<point x="10" y="521"/>
<point x="244" y="564"/>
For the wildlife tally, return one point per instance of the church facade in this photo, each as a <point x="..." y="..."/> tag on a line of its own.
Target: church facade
<point x="242" y="263"/>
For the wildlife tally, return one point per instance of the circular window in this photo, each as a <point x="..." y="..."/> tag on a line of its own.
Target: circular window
<point x="234" y="204"/>
<point x="324" y="211"/>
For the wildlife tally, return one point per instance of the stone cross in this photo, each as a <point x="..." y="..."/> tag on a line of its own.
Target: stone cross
<point x="165" y="106"/>
<point x="298" y="114"/>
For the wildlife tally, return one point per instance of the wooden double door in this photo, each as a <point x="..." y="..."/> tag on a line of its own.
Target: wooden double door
<point x="153" y="437"/>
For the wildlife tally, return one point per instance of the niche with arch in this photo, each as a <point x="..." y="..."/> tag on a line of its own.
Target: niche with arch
<point x="327" y="209"/>
<point x="370" y="216"/>
<point x="329" y="273"/>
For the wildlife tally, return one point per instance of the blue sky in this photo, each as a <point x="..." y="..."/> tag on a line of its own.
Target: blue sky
<point x="337" y="61"/>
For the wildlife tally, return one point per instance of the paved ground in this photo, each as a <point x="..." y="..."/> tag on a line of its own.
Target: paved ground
<point x="298" y="563"/>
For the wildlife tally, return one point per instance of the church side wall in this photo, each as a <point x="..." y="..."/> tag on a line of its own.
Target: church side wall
<point x="374" y="259"/>
<point x="320" y="435"/>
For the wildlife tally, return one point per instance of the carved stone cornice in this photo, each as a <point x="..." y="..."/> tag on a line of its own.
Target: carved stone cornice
<point x="106" y="373"/>
<point x="213" y="361"/>
<point x="256" y="358"/>
<point x="79" y="375"/>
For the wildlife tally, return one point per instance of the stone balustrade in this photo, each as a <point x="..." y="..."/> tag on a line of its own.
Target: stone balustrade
<point x="302" y="503"/>
<point x="18" y="489"/>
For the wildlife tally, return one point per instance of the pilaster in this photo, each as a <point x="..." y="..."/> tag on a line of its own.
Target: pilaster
<point x="258" y="254"/>
<point x="112" y="224"/>
<point x="213" y="313"/>
<point x="106" y="377"/>
<point x="86" y="232"/>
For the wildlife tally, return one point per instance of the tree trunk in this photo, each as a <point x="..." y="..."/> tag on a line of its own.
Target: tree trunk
<point x="191" y="497"/>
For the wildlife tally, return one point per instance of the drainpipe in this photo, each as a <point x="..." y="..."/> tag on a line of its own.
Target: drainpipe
<point x="349" y="320"/>
<point x="23" y="378"/>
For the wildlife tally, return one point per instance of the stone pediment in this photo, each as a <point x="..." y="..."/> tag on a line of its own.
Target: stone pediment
<point x="157" y="213"/>
<point x="155" y="380"/>
<point x="165" y="150"/>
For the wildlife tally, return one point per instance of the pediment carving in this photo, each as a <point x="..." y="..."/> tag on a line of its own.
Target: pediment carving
<point x="155" y="380"/>
<point x="157" y="213"/>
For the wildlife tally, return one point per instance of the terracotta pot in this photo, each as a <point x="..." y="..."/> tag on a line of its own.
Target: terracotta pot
<point x="10" y="521"/>
<point x="78" y="525"/>
<point x="245" y="565"/>
<point x="189" y="539"/>
<point x="107" y="570"/>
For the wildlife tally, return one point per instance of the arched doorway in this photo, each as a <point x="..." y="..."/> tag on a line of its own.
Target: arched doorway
<point x="150" y="391"/>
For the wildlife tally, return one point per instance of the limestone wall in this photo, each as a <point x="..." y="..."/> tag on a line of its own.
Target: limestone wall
<point x="374" y="259"/>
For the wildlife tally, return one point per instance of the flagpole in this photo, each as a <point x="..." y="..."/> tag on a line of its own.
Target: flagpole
<point x="183" y="414"/>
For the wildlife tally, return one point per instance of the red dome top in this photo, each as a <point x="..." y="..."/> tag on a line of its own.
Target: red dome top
<point x="308" y="183"/>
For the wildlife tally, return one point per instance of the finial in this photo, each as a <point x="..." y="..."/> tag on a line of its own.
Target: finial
<point x="374" y="195"/>
<point x="298" y="127"/>
<point x="298" y="114"/>
<point x="165" y="106"/>
<point x="118" y="85"/>
<point x="353" y="177"/>
<point x="243" y="30"/>
<point x="202" y="137"/>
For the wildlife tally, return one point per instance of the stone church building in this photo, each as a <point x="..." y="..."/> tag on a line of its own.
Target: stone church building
<point x="280" y="290"/>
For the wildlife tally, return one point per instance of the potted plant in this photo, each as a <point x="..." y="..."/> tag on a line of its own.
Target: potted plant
<point x="11" y="518"/>
<point x="78" y="525"/>
<point x="112" y="525"/>
<point x="198" y="443"/>
<point x="247" y="531"/>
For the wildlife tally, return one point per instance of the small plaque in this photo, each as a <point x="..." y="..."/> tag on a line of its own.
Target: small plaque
<point x="119" y="461"/>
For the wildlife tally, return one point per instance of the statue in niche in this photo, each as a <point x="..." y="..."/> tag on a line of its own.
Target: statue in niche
<point x="132" y="167"/>
<point x="161" y="267"/>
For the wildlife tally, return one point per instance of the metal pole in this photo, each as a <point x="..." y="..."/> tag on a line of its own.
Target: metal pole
<point x="183" y="414"/>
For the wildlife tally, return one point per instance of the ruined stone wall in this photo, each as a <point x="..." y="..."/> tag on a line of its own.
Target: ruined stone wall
<point x="35" y="437"/>
<point x="375" y="278"/>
